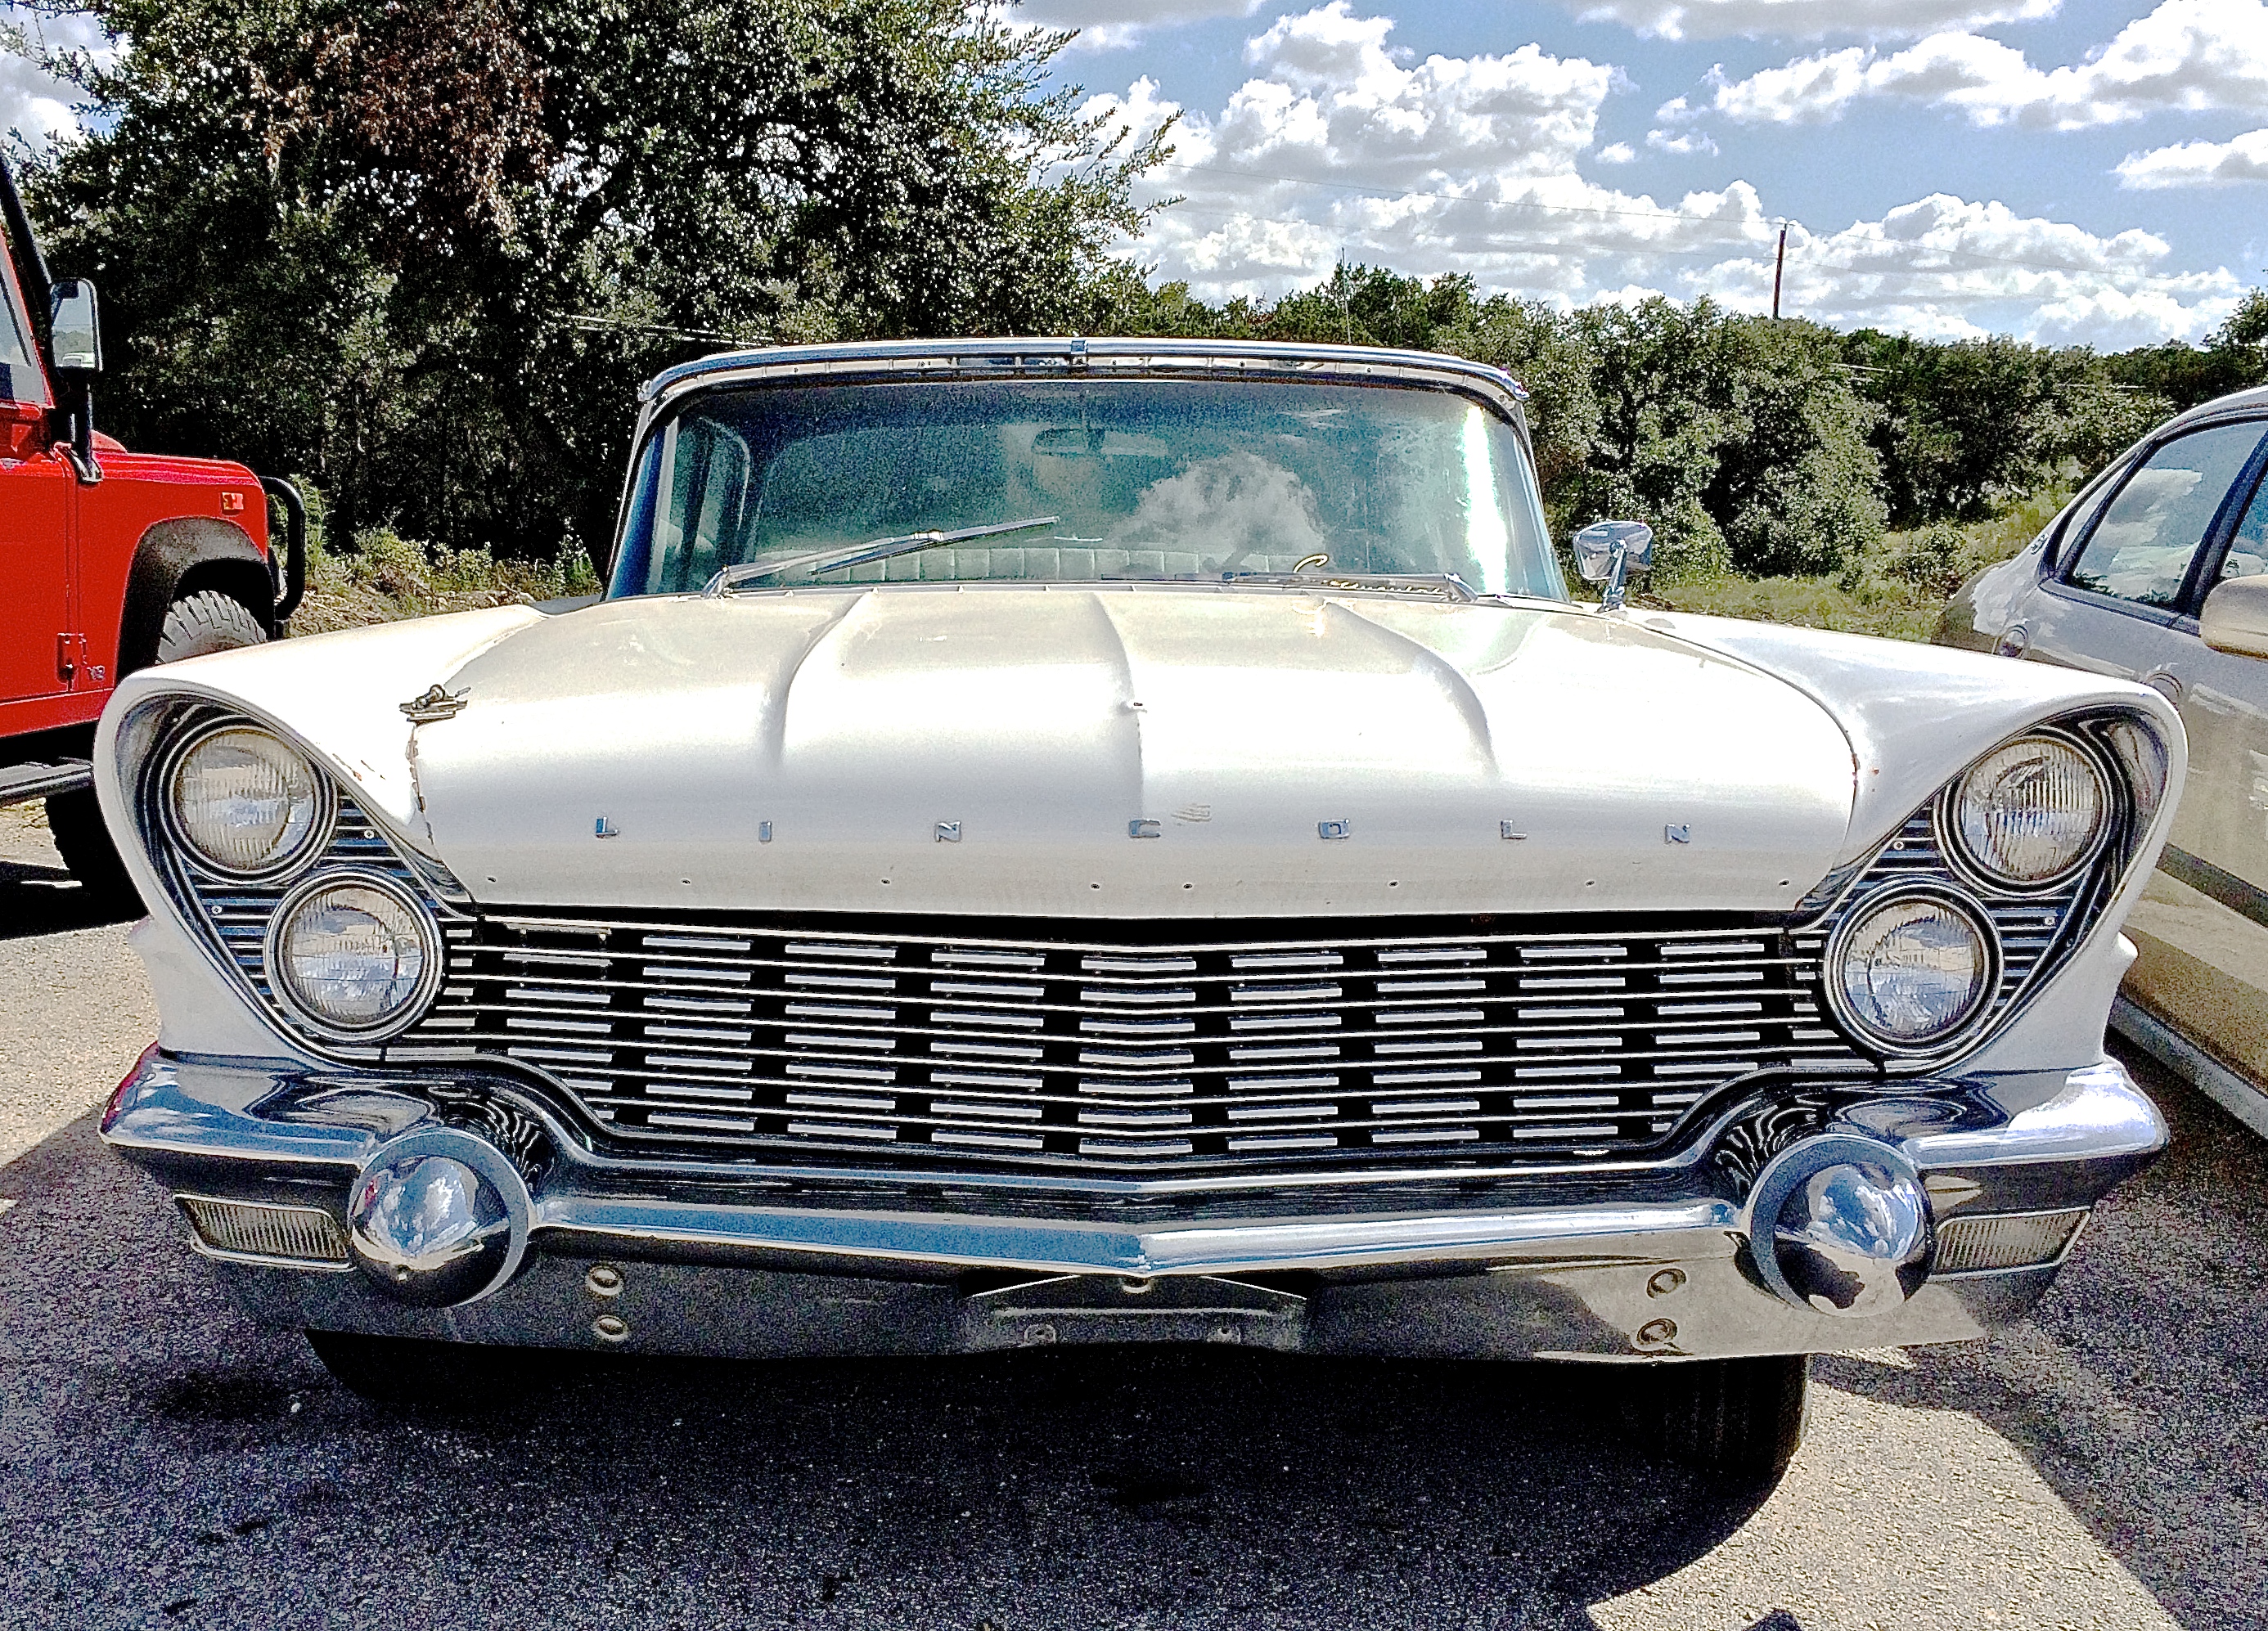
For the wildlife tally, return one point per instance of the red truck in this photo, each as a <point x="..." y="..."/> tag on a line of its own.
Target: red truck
<point x="109" y="560"/>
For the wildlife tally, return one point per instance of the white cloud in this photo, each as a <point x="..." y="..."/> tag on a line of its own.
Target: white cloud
<point x="1806" y="19"/>
<point x="2198" y="163"/>
<point x="1106" y="25"/>
<point x="2187" y="55"/>
<point x="35" y="103"/>
<point x="1691" y="142"/>
<point x="1932" y="266"/>
<point x="1339" y="146"/>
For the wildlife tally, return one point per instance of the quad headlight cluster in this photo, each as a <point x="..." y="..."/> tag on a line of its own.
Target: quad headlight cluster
<point x="350" y="954"/>
<point x="1913" y="968"/>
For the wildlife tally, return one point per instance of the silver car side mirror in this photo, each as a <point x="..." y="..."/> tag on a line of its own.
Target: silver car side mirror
<point x="74" y="328"/>
<point x="2235" y="617"/>
<point x="1607" y="552"/>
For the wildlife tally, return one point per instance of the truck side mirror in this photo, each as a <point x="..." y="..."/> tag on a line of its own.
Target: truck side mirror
<point x="1607" y="551"/>
<point x="2235" y="617"/>
<point x="74" y="328"/>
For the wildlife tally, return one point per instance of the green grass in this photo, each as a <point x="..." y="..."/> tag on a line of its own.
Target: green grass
<point x="386" y="578"/>
<point x="1896" y="590"/>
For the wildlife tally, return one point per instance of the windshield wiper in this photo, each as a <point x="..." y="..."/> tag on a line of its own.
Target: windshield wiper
<point x="859" y="555"/>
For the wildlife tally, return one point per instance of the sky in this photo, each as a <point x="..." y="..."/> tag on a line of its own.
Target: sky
<point x="2087" y="172"/>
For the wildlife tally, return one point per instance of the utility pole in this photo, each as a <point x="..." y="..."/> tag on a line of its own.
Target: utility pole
<point x="1779" y="265"/>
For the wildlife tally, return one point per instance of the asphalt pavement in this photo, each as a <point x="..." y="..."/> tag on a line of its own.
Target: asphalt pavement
<point x="164" y="1463"/>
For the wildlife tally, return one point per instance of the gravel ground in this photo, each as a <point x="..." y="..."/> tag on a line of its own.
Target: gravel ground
<point x="75" y="1000"/>
<point x="164" y="1463"/>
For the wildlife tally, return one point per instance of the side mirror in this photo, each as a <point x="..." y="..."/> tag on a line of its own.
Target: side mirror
<point x="1606" y="552"/>
<point x="2235" y="617"/>
<point x="74" y="328"/>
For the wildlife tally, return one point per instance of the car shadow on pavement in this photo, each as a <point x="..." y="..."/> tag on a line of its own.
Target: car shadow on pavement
<point x="2138" y="1389"/>
<point x="41" y="900"/>
<point x="166" y="1449"/>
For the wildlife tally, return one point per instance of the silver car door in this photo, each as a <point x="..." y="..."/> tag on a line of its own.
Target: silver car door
<point x="2202" y="929"/>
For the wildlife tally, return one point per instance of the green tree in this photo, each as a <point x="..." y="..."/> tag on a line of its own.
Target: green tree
<point x="1970" y="427"/>
<point x="1798" y="484"/>
<point x="426" y="250"/>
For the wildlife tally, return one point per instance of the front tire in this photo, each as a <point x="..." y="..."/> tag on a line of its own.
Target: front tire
<point x="195" y="625"/>
<point x="200" y="624"/>
<point x="1742" y="1417"/>
<point x="407" y="1372"/>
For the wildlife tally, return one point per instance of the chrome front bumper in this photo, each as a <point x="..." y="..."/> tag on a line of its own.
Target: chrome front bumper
<point x="716" y="1259"/>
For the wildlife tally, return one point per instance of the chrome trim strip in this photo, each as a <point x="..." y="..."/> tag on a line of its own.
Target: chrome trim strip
<point x="304" y="1265"/>
<point x="2224" y="887"/>
<point x="659" y="921"/>
<point x="930" y="358"/>
<point x="1686" y="1229"/>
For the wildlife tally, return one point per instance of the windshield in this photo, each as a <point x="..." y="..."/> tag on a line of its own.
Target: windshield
<point x="1146" y="479"/>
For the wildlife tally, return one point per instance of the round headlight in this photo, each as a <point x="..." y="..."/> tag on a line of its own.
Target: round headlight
<point x="246" y="803"/>
<point x="2029" y="813"/>
<point x="1910" y="971"/>
<point x="353" y="956"/>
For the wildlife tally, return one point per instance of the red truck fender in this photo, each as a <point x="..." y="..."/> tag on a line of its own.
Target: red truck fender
<point x="185" y="556"/>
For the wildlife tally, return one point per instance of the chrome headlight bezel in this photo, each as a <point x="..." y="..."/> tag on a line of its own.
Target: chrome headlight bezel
<point x="1856" y="914"/>
<point x="1974" y="870"/>
<point x="301" y="854"/>
<point x="295" y="1007"/>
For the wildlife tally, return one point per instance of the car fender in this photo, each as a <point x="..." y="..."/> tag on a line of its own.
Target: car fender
<point x="184" y="554"/>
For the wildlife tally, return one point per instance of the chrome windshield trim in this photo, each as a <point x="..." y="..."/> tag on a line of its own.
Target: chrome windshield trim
<point x="930" y="358"/>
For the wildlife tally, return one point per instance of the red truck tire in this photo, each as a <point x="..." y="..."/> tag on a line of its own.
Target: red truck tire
<point x="197" y="625"/>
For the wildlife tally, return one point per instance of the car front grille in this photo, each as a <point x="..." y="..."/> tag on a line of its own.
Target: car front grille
<point x="1169" y="1047"/>
<point x="967" y="1043"/>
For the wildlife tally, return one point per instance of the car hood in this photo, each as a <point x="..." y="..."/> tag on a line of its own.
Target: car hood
<point x="1151" y="751"/>
<point x="1158" y="751"/>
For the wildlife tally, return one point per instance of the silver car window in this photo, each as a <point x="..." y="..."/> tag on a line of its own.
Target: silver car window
<point x="2248" y="546"/>
<point x="2142" y="548"/>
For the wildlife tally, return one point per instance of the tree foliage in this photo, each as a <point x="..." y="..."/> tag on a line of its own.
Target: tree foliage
<point x="425" y="250"/>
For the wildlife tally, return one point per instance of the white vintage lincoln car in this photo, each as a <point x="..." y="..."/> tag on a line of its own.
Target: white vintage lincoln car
<point x="1053" y="840"/>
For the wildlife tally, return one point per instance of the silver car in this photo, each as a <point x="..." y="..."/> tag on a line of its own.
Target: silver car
<point x="2158" y="571"/>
